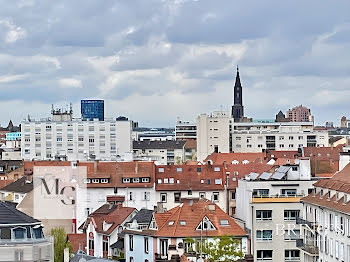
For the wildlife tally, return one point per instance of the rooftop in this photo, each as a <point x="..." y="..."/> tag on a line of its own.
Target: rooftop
<point x="11" y="216"/>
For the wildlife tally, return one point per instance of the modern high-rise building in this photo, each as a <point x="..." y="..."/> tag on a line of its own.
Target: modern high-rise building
<point x="91" y="109"/>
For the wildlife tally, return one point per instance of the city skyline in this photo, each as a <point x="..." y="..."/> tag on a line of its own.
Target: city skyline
<point x="166" y="59"/>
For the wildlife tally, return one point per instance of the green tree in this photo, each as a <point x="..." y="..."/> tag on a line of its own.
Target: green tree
<point x="223" y="248"/>
<point x="60" y="243"/>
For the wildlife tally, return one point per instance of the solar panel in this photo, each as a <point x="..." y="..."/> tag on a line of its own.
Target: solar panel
<point x="253" y="176"/>
<point x="278" y="175"/>
<point x="283" y="169"/>
<point x="265" y="176"/>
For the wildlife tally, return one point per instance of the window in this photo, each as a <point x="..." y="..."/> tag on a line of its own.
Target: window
<point x="171" y="180"/>
<point x="126" y="180"/>
<point x="146" y="244"/>
<point x="288" y="192"/>
<point x="291" y="215"/>
<point x="19" y="233"/>
<point x="161" y="170"/>
<point x="260" y="192"/>
<point x="264" y="235"/>
<point x="146" y="196"/>
<point x="163" y="197"/>
<point x="166" y="181"/>
<point x="19" y="255"/>
<point x="292" y="234"/>
<point x="216" y="169"/>
<point x="224" y="222"/>
<point x="201" y="194"/>
<point x="182" y="223"/>
<point x="104" y="180"/>
<point x="164" y="247"/>
<point x="205" y="224"/>
<point x="264" y="255"/>
<point x="105" y="246"/>
<point x="145" y="180"/>
<point x="218" y="181"/>
<point x="233" y="195"/>
<point x="294" y="168"/>
<point x="136" y="180"/>
<point x="291" y="255"/>
<point x="38" y="233"/>
<point x="263" y="214"/>
<point x="131" y="243"/>
<point x="5" y="233"/>
<point x="179" y="169"/>
<point x="95" y="180"/>
<point x="189" y="192"/>
<point x="177" y="197"/>
<point x="216" y="196"/>
<point x="171" y="223"/>
<point x="291" y="138"/>
<point x="199" y="169"/>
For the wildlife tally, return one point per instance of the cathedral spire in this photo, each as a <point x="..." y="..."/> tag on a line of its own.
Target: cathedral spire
<point x="237" y="108"/>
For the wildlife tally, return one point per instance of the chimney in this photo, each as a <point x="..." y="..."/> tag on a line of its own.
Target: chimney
<point x="95" y="166"/>
<point x="225" y="165"/>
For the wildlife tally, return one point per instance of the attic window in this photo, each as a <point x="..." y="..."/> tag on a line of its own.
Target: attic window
<point x="126" y="180"/>
<point x="145" y="180"/>
<point x="104" y="180"/>
<point x="244" y="162"/>
<point x="95" y="180"/>
<point x="171" y="223"/>
<point x="182" y="223"/>
<point x="235" y="162"/>
<point x="224" y="222"/>
<point x="205" y="224"/>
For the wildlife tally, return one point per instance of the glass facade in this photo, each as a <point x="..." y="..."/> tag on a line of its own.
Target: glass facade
<point x="91" y="109"/>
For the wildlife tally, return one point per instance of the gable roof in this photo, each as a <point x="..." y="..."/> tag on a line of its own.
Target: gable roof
<point x="143" y="216"/>
<point x="10" y="216"/>
<point x="78" y="241"/>
<point x="193" y="212"/>
<point x="110" y="214"/>
<point x="21" y="185"/>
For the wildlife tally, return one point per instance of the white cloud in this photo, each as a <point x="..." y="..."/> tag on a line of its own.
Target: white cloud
<point x="11" y="78"/>
<point x="70" y="82"/>
<point x="14" y="32"/>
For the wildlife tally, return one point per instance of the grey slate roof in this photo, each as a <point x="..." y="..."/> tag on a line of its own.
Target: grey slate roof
<point x="119" y="244"/>
<point x="169" y="145"/>
<point x="10" y="215"/>
<point x="19" y="186"/>
<point x="143" y="216"/>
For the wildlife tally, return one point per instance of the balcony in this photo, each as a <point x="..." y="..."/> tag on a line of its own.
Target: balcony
<point x="301" y="221"/>
<point x="308" y="248"/>
<point x="277" y="199"/>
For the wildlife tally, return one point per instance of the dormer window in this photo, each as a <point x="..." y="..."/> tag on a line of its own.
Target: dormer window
<point x="136" y="180"/>
<point x="126" y="180"/>
<point x="171" y="223"/>
<point x="346" y="200"/>
<point x="95" y="180"/>
<point x="329" y="194"/>
<point x="104" y="180"/>
<point x="145" y="180"/>
<point x="321" y="192"/>
<point x="205" y="224"/>
<point x="19" y="233"/>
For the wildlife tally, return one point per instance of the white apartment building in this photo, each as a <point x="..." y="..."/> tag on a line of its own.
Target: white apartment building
<point x="256" y="137"/>
<point x="75" y="139"/>
<point x="185" y="130"/>
<point x="269" y="205"/>
<point x="213" y="134"/>
<point x="162" y="152"/>
<point x="326" y="220"/>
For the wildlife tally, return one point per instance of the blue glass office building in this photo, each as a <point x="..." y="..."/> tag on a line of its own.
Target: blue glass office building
<point x="91" y="109"/>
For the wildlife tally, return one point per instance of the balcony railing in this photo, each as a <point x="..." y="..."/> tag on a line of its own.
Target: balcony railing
<point x="309" y="248"/>
<point x="301" y="221"/>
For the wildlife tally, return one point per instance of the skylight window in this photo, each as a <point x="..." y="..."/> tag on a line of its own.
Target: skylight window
<point x="171" y="223"/>
<point x="224" y="222"/>
<point x="183" y="223"/>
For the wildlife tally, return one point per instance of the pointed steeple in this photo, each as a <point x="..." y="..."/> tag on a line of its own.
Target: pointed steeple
<point x="238" y="79"/>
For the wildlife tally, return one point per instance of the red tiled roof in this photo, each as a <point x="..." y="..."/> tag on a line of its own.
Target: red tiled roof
<point x="78" y="241"/>
<point x="116" y="198"/>
<point x="189" y="178"/>
<point x="221" y="158"/>
<point x="115" y="215"/>
<point x="193" y="212"/>
<point x="331" y="203"/>
<point x="237" y="172"/>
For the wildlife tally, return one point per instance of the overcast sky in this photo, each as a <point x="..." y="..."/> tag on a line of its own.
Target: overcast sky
<point x="155" y="60"/>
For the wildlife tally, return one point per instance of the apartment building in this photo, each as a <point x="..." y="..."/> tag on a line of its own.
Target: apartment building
<point x="162" y="152"/>
<point x="269" y="204"/>
<point x="285" y="136"/>
<point x="63" y="137"/>
<point x="300" y="114"/>
<point x="181" y="232"/>
<point x="185" y="130"/>
<point x="174" y="182"/>
<point x="326" y="220"/>
<point x="213" y="134"/>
